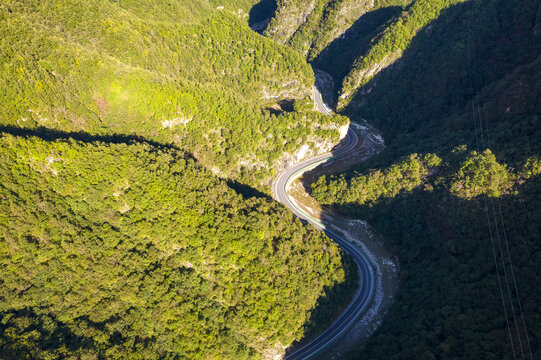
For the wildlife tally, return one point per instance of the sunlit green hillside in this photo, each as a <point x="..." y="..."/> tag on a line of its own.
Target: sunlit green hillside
<point x="189" y="73"/>
<point x="130" y="250"/>
<point x="117" y="237"/>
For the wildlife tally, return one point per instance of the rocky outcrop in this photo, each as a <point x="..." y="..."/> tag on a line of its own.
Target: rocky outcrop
<point x="361" y="74"/>
<point x="310" y="26"/>
<point x="288" y="18"/>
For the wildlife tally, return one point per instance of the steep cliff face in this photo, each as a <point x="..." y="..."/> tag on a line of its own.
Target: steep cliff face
<point x="362" y="73"/>
<point x="309" y="26"/>
<point x="389" y="45"/>
<point x="473" y="51"/>
<point x="354" y="40"/>
<point x="288" y="19"/>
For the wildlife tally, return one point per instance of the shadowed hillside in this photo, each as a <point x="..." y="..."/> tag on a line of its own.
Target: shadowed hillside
<point x="465" y="228"/>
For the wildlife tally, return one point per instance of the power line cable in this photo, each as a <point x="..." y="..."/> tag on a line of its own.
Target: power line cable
<point x="506" y="277"/>
<point x="529" y="227"/>
<point x="509" y="257"/>
<point x="474" y="87"/>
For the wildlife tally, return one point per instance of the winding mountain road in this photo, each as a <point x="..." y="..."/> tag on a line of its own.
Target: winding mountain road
<point x="363" y="297"/>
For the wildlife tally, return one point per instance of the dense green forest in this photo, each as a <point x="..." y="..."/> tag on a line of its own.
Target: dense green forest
<point x="133" y="250"/>
<point x="446" y="232"/>
<point x="467" y="89"/>
<point x="190" y="73"/>
<point x="125" y="125"/>
<point x="402" y="177"/>
<point x="118" y="239"/>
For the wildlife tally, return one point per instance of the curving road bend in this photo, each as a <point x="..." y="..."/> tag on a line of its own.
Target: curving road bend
<point x="364" y="294"/>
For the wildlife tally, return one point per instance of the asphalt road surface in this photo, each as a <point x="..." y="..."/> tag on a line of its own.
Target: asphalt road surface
<point x="364" y="294"/>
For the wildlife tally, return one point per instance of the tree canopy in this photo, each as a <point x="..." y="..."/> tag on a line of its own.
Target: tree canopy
<point x="132" y="250"/>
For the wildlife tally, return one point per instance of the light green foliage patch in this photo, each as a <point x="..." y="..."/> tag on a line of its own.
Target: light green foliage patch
<point x="531" y="167"/>
<point x="480" y="174"/>
<point x="377" y="184"/>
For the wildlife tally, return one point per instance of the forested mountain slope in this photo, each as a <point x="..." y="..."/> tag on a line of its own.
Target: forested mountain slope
<point x="355" y="40"/>
<point x="185" y="72"/>
<point x="122" y="249"/>
<point x="309" y="26"/>
<point x="117" y="237"/>
<point x="456" y="192"/>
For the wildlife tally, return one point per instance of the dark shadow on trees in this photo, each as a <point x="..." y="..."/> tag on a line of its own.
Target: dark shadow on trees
<point x="448" y="272"/>
<point x="325" y="86"/>
<point x="261" y="13"/>
<point x="423" y="103"/>
<point x="287" y="105"/>
<point x="274" y="111"/>
<point x="338" y="57"/>
<point x="435" y="78"/>
<point x="53" y="134"/>
<point x="428" y="89"/>
<point x="27" y="321"/>
<point x="245" y="190"/>
<point x="281" y="107"/>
